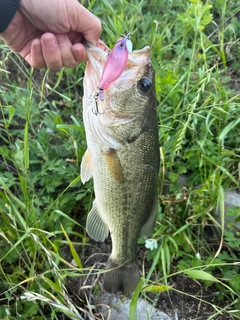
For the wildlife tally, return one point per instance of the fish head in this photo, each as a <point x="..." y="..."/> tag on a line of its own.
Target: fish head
<point x="130" y="98"/>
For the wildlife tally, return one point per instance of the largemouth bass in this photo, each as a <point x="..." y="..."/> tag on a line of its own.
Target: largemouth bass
<point x="123" y="159"/>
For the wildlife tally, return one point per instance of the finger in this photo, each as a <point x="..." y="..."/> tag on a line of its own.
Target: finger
<point x="35" y="58"/>
<point x="51" y="51"/>
<point x="85" y="22"/>
<point x="65" y="46"/>
<point x="79" y="52"/>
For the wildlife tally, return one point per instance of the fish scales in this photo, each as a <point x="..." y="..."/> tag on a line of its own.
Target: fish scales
<point x="123" y="159"/>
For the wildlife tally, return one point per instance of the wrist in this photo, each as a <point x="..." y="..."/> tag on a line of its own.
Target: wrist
<point x="7" y="12"/>
<point x="24" y="5"/>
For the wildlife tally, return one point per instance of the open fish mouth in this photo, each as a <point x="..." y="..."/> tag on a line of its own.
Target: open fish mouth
<point x="97" y="56"/>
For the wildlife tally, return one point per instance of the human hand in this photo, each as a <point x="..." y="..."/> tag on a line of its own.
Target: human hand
<point x="49" y="33"/>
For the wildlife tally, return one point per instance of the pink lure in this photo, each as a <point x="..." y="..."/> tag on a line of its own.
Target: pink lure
<point x="115" y="64"/>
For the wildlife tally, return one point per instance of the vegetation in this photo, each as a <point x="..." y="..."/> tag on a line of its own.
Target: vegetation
<point x="43" y="204"/>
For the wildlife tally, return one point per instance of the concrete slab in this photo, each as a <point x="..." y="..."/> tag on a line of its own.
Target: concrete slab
<point x="113" y="308"/>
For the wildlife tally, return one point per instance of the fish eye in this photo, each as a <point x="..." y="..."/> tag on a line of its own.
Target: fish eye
<point x="144" y="85"/>
<point x="121" y="44"/>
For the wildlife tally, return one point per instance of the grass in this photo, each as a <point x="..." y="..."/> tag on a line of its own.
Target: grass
<point x="43" y="204"/>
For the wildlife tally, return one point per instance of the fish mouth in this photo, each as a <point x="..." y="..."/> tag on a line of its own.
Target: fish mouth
<point x="97" y="56"/>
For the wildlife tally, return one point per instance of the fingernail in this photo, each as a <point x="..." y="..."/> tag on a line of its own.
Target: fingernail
<point x="50" y="43"/>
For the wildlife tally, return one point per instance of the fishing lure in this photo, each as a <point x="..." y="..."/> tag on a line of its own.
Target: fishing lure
<point x="114" y="66"/>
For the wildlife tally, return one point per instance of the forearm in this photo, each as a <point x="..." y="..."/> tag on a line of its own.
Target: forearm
<point x="8" y="9"/>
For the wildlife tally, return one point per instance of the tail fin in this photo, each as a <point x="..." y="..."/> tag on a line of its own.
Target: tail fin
<point x="121" y="277"/>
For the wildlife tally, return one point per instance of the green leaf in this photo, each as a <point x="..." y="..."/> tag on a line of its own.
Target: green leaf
<point x="228" y="128"/>
<point x="200" y="275"/>
<point x="11" y="113"/>
<point x="134" y="300"/>
<point x="26" y="147"/>
<point x="73" y="251"/>
<point x="156" y="288"/>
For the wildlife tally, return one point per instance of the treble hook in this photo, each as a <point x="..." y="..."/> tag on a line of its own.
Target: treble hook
<point x="127" y="36"/>
<point x="97" y="94"/>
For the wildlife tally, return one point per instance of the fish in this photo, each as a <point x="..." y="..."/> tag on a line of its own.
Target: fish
<point x="123" y="158"/>
<point x="114" y="65"/>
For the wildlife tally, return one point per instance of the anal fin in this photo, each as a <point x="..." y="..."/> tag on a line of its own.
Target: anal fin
<point x="95" y="226"/>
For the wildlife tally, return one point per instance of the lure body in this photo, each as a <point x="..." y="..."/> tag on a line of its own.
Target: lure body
<point x="115" y="64"/>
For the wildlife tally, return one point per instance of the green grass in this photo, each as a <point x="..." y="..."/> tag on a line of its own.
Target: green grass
<point x="43" y="204"/>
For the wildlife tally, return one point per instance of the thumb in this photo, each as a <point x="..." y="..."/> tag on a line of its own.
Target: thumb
<point x="86" y="23"/>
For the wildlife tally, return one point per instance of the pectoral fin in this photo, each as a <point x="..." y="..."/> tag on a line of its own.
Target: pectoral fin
<point x="114" y="165"/>
<point x="95" y="226"/>
<point x="86" y="167"/>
